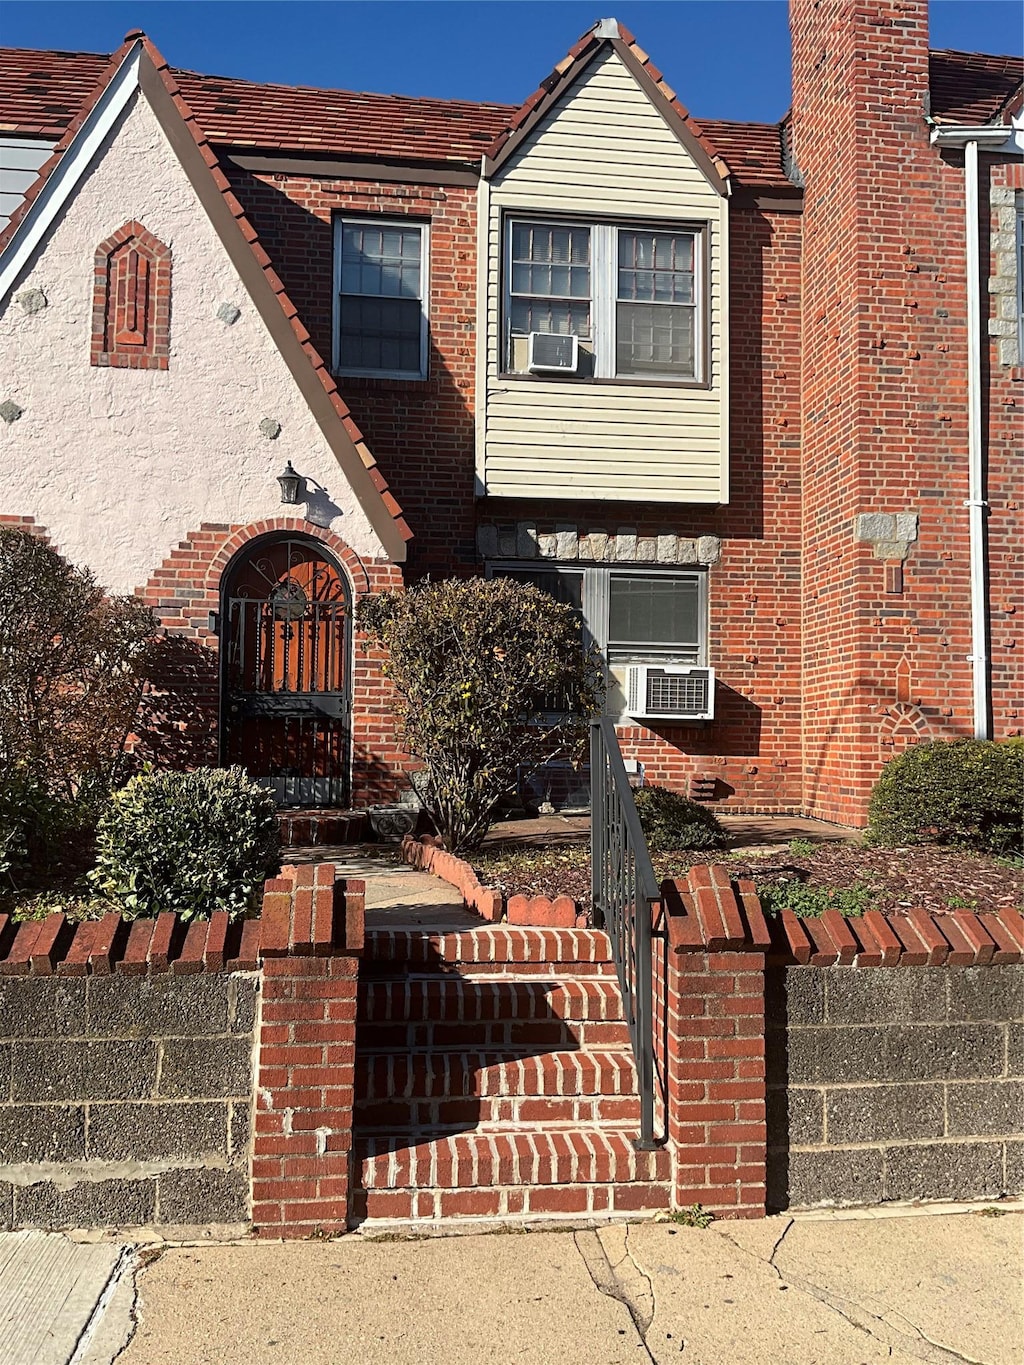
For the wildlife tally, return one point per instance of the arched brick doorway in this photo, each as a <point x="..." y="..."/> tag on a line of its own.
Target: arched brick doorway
<point x="286" y="628"/>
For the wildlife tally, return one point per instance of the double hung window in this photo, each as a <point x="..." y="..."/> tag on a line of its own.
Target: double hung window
<point x="630" y="294"/>
<point x="380" y="298"/>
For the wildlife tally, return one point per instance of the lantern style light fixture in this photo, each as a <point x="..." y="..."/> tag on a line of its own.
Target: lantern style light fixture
<point x="290" y="482"/>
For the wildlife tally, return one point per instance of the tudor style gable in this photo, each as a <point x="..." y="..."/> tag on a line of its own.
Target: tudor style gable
<point x="605" y="372"/>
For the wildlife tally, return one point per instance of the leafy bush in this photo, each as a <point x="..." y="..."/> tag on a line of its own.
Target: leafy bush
<point x="963" y="791"/>
<point x="808" y="901"/>
<point x="191" y="842"/>
<point x="670" y="820"/>
<point x="72" y="664"/>
<point x="476" y="665"/>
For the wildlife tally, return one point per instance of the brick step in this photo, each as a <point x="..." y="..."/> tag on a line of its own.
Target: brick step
<point x="515" y="1037"/>
<point x="468" y="1161"/>
<point x="453" y="999"/>
<point x="391" y="1117"/>
<point x="537" y="1203"/>
<point x="491" y="947"/>
<point x="444" y="1075"/>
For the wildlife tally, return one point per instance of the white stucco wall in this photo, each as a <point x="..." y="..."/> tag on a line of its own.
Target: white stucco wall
<point x="120" y="465"/>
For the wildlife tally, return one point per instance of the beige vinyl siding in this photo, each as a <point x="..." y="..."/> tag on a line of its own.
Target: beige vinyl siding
<point x="605" y="153"/>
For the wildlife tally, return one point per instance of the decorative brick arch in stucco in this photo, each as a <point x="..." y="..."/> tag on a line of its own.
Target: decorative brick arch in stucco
<point x="131" y="304"/>
<point x="180" y="724"/>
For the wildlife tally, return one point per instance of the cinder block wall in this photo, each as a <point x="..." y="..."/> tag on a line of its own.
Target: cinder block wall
<point x="900" y="1083"/>
<point x="126" y="1100"/>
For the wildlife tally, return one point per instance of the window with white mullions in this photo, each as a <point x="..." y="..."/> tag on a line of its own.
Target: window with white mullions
<point x="655" y="305"/>
<point x="380" y="270"/>
<point x="631" y="297"/>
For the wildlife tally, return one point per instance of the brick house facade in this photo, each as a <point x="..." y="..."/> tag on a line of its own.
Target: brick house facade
<point x="758" y="463"/>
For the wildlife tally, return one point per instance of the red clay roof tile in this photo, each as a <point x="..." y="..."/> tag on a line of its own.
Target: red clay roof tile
<point x="973" y="87"/>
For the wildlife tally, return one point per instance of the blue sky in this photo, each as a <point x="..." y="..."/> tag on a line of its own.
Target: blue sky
<point x="725" y="58"/>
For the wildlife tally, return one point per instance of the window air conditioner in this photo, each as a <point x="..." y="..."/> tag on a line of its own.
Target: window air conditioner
<point x="552" y="353"/>
<point x="670" y="692"/>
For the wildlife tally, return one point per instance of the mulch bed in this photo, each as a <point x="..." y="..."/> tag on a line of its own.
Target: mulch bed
<point x="932" y="877"/>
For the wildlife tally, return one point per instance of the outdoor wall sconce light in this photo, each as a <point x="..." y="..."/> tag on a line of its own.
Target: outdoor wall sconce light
<point x="289" y="482"/>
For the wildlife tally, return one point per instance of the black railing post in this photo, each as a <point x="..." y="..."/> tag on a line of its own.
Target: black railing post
<point x="625" y="893"/>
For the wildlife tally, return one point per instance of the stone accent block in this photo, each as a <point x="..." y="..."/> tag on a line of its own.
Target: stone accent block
<point x="944" y="1171"/>
<point x="157" y="1006"/>
<point x="985" y="1107"/>
<point x="995" y="993"/>
<point x="875" y="526"/>
<point x="42" y="1132"/>
<point x="205" y="1068"/>
<point x="149" y="1132"/>
<point x="709" y="550"/>
<point x="83" y="1070"/>
<point x="200" y="1196"/>
<point x="41" y="1007"/>
<point x="111" y="1203"/>
<point x="883" y="1112"/>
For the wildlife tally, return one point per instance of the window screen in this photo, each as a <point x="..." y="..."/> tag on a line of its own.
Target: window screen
<point x="648" y="613"/>
<point x="655" y="311"/>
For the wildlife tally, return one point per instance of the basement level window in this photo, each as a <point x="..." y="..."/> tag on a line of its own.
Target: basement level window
<point x="631" y="294"/>
<point x="380" y="314"/>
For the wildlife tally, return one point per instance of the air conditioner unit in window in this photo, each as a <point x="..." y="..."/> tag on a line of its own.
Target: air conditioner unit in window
<point x="552" y="353"/>
<point x="670" y="692"/>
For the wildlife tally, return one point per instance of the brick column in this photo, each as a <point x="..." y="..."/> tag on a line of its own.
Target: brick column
<point x="715" y="943"/>
<point x="312" y="937"/>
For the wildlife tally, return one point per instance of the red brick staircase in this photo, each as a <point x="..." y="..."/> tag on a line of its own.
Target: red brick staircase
<point x="494" y="1079"/>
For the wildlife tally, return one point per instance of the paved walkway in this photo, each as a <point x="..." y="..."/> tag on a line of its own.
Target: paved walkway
<point x="836" y="1290"/>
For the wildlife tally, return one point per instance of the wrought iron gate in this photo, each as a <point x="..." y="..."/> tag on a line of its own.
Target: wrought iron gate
<point x="286" y="632"/>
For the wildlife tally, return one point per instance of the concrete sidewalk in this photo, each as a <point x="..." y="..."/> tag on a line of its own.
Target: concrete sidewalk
<point x="806" y="1291"/>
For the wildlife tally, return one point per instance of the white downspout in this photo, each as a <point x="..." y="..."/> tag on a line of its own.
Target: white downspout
<point x="976" y="503"/>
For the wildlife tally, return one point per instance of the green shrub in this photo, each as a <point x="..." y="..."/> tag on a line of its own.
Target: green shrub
<point x="671" y="821"/>
<point x="808" y="901"/>
<point x="191" y="842"/>
<point x="964" y="791"/>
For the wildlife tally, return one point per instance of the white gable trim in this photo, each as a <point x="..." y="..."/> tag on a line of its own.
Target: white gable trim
<point x="69" y="171"/>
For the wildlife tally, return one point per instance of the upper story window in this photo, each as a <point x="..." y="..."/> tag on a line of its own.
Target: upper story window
<point x="380" y="270"/>
<point x="630" y="294"/>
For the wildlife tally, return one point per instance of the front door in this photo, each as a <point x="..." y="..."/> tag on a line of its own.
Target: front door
<point x="286" y="615"/>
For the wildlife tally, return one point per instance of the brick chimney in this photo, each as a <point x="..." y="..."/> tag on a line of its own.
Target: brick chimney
<point x="886" y="579"/>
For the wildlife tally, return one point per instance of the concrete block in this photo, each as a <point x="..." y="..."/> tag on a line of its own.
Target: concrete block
<point x="205" y="1068"/>
<point x="148" y="1132"/>
<point x="89" y="1204"/>
<point x="42" y="1132"/>
<point x="875" y="526"/>
<point x="83" y="1070"/>
<point x="839" y="1177"/>
<point x="1013" y="1179"/>
<point x="6" y="1205"/>
<point x="983" y="1108"/>
<point x="906" y="525"/>
<point x="898" y="996"/>
<point x="1015" y="1049"/>
<point x="942" y="1052"/>
<point x="157" y="1006"/>
<point x="42" y="1007"/>
<point x="951" y="1170"/>
<point x="883" y="1113"/>
<point x="201" y="1196"/>
<point x="240" y="1127"/>
<point x="804" y="995"/>
<point x="795" y="1117"/>
<point x="5" y="1072"/>
<point x="995" y="993"/>
<point x="709" y="549"/>
<point x="242" y="1004"/>
<point x="821" y="1056"/>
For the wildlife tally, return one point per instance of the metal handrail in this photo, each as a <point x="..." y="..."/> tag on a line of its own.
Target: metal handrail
<point x="625" y="893"/>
